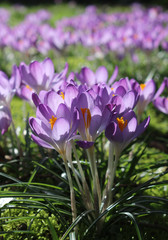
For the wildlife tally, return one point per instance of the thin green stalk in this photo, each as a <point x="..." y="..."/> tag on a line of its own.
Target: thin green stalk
<point x="109" y="175"/>
<point x="96" y="183"/>
<point x="72" y="193"/>
<point x="117" y="157"/>
<point x="78" y="163"/>
<point x="85" y="193"/>
<point x="17" y="140"/>
<point x="74" y="172"/>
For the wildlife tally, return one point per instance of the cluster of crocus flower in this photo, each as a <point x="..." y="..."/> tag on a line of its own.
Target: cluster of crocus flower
<point x="140" y="28"/>
<point x="74" y="110"/>
<point x="70" y="112"/>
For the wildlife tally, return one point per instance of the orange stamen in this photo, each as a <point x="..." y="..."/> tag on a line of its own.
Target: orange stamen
<point x="135" y="36"/>
<point x="124" y="39"/>
<point x="142" y="86"/>
<point x="88" y="118"/>
<point x="62" y="95"/>
<point x="27" y="86"/>
<point x="121" y="123"/>
<point x="52" y="121"/>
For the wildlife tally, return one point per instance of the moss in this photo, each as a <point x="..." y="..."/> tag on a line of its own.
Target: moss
<point x="38" y="225"/>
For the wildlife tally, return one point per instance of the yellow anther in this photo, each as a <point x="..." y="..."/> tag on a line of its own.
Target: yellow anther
<point x="135" y="36"/>
<point x="112" y="88"/>
<point x="62" y="95"/>
<point x="88" y="117"/>
<point x="121" y="123"/>
<point x="52" y="121"/>
<point x="124" y="39"/>
<point x="27" y="86"/>
<point x="142" y="86"/>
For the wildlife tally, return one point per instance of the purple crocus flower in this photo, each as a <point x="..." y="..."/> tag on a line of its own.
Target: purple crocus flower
<point x="122" y="130"/>
<point x="38" y="75"/>
<point x="92" y="120"/>
<point x="5" y="119"/>
<point x="54" y="125"/>
<point x="100" y="76"/>
<point x="8" y="88"/>
<point x="161" y="102"/>
<point x="147" y="94"/>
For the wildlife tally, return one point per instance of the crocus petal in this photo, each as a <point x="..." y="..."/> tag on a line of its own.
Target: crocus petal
<point x="88" y="76"/>
<point x="96" y="117"/>
<point x="142" y="126"/>
<point x="4" y="82"/>
<point x="53" y="100"/>
<point x="120" y="91"/>
<point x="129" y="100"/>
<point x="45" y="111"/>
<point x="36" y="99"/>
<point x="85" y="101"/>
<point x="112" y="133"/>
<point x="27" y="77"/>
<point x="125" y="83"/>
<point x="63" y="112"/>
<point x="15" y="82"/>
<point x="60" y="130"/>
<point x="38" y="127"/>
<point x="118" y="102"/>
<point x="85" y="144"/>
<point x="36" y="71"/>
<point x="114" y="75"/>
<point x="48" y="68"/>
<point x="41" y="142"/>
<point x="161" y="103"/>
<point x="166" y="104"/>
<point x="149" y="90"/>
<point x="101" y="75"/>
<point x="5" y="119"/>
<point x="160" y="90"/>
<point x="71" y="92"/>
<point x="71" y="76"/>
<point x="26" y="93"/>
<point x="130" y="129"/>
<point x="75" y="123"/>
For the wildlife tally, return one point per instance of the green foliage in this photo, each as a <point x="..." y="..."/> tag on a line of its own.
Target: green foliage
<point x="41" y="206"/>
<point x="15" y="220"/>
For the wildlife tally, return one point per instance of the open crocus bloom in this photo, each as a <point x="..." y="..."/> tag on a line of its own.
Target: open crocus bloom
<point x="161" y="103"/>
<point x="5" y="119"/>
<point x="92" y="119"/>
<point x="7" y="89"/>
<point x="38" y="75"/>
<point x="54" y="127"/>
<point x="41" y="76"/>
<point x="122" y="130"/>
<point x="100" y="76"/>
<point x="146" y="96"/>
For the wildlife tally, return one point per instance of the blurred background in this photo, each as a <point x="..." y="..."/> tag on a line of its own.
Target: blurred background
<point x="163" y="3"/>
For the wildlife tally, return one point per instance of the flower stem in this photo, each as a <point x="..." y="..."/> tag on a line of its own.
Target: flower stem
<point x="72" y="193"/>
<point x="74" y="172"/>
<point x="85" y="193"/>
<point x="109" y="176"/>
<point x="96" y="183"/>
<point x="117" y="157"/>
<point x="17" y="140"/>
